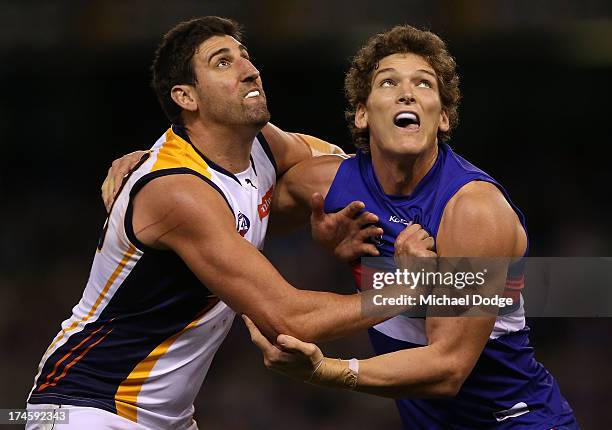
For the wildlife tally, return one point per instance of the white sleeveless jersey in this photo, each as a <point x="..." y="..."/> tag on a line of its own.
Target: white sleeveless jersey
<point x="141" y="340"/>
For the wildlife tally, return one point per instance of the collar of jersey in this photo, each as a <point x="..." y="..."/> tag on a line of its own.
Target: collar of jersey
<point x="423" y="184"/>
<point x="181" y="132"/>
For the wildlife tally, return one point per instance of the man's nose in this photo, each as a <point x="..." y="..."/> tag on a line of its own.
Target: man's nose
<point x="249" y="72"/>
<point x="406" y="96"/>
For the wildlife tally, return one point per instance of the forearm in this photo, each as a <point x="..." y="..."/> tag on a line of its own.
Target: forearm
<point x="319" y="316"/>
<point x="417" y="372"/>
<point x="412" y="373"/>
<point x="315" y="316"/>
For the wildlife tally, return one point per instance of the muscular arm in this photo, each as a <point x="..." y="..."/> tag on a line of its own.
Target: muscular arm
<point x="183" y="214"/>
<point x="291" y="148"/>
<point x="477" y="222"/>
<point x="293" y="192"/>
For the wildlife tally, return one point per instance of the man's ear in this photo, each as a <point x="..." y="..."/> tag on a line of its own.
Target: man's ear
<point x="444" y="124"/>
<point x="361" y="117"/>
<point x="184" y="96"/>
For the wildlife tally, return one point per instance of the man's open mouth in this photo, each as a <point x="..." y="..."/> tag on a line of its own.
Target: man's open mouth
<point x="407" y="120"/>
<point x="252" y="94"/>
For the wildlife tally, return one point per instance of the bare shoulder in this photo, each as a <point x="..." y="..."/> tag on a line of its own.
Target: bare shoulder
<point x="314" y="175"/>
<point x="478" y="220"/>
<point x="178" y="204"/>
<point x="289" y="148"/>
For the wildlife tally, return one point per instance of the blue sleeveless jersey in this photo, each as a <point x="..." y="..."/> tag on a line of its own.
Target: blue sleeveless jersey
<point x="508" y="388"/>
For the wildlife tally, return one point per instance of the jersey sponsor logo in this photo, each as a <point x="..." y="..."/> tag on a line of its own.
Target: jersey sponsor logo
<point x="263" y="209"/>
<point x="398" y="220"/>
<point x="243" y="224"/>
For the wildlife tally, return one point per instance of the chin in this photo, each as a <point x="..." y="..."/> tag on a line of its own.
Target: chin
<point x="260" y="118"/>
<point x="255" y="116"/>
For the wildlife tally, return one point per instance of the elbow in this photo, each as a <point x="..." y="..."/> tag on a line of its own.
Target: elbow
<point x="276" y="323"/>
<point x="302" y="328"/>
<point x="298" y="328"/>
<point x="450" y="383"/>
<point x="447" y="388"/>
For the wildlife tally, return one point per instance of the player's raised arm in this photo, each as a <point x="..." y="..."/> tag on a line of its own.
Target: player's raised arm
<point x="291" y="148"/>
<point x="478" y="222"/>
<point x="169" y="214"/>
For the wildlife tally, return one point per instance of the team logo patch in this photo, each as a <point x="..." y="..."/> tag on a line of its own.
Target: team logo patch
<point x="263" y="209"/>
<point x="243" y="224"/>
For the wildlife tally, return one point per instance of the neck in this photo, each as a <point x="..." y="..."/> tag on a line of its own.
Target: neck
<point x="400" y="175"/>
<point x="228" y="147"/>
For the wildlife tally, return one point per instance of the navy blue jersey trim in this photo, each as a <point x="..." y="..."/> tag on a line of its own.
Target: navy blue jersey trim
<point x="253" y="164"/>
<point x="129" y="229"/>
<point x="266" y="147"/>
<point x="144" y="158"/>
<point x="180" y="131"/>
<point x="186" y="299"/>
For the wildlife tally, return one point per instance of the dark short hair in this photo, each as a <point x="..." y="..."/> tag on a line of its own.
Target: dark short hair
<point x="401" y="39"/>
<point x="173" y="61"/>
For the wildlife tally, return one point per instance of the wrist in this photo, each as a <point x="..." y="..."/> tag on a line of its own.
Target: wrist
<point x="334" y="372"/>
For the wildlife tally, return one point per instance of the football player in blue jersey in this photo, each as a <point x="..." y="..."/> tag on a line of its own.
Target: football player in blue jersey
<point x="444" y="372"/>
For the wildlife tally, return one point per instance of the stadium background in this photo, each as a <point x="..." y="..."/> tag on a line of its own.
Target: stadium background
<point x="74" y="80"/>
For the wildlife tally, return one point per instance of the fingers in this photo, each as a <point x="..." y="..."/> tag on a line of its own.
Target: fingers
<point x="290" y="344"/>
<point x="107" y="194"/>
<point x="358" y="245"/>
<point x="316" y="204"/>
<point x="256" y="337"/>
<point x="369" y="233"/>
<point x="366" y="218"/>
<point x="413" y="231"/>
<point x="368" y="248"/>
<point x="353" y="208"/>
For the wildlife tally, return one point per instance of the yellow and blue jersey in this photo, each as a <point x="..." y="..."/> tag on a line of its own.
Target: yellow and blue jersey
<point x="141" y="339"/>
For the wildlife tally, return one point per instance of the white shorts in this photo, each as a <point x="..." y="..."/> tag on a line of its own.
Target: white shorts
<point x="82" y="417"/>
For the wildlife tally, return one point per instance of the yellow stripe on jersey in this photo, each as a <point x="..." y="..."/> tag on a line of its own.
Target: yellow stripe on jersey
<point x="127" y="393"/>
<point x="124" y="260"/>
<point x="177" y="153"/>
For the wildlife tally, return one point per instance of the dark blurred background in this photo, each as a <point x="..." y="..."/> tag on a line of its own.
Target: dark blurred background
<point x="74" y="80"/>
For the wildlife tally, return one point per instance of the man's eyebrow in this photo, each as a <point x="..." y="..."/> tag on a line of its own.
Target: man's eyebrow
<point x="241" y="47"/>
<point x="378" y="72"/>
<point x="217" y="52"/>
<point x="429" y="72"/>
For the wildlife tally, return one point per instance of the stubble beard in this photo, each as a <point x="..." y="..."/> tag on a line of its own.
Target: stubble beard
<point x="258" y="115"/>
<point x="240" y="114"/>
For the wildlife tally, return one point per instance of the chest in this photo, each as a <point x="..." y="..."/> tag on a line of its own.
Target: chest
<point x="250" y="197"/>
<point x="393" y="219"/>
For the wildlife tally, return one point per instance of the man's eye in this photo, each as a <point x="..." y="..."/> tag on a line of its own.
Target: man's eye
<point x="424" y="84"/>
<point x="223" y="63"/>
<point x="387" y="83"/>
